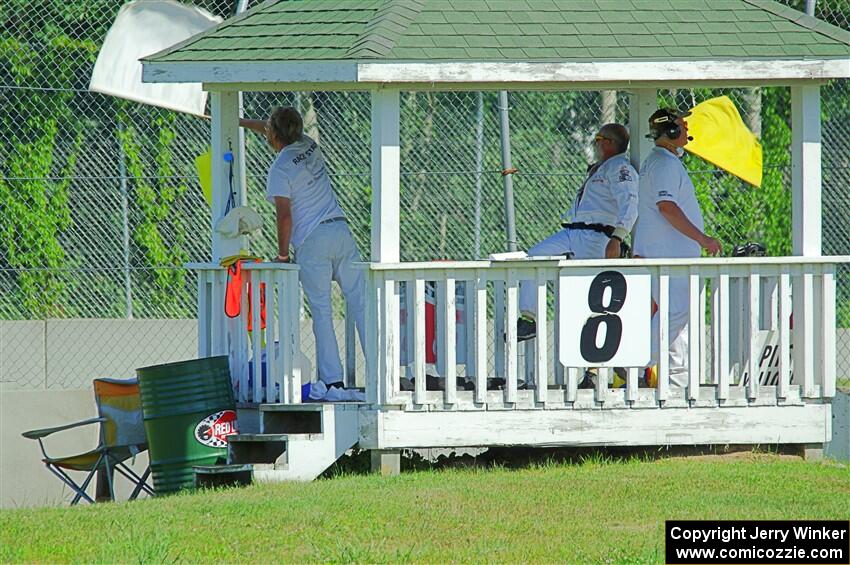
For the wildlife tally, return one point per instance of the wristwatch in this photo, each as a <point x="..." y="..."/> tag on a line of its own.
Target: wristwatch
<point x="620" y="233"/>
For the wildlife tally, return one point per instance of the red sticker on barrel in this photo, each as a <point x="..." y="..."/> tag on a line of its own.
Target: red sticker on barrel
<point x="213" y="430"/>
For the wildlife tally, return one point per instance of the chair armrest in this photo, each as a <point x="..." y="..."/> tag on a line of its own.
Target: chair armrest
<point x="38" y="434"/>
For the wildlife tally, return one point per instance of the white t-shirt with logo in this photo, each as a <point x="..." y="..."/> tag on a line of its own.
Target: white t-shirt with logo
<point x="663" y="177"/>
<point x="299" y="173"/>
<point x="609" y="196"/>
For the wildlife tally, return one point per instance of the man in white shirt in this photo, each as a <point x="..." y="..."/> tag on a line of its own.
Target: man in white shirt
<point x="312" y="221"/>
<point x="670" y="225"/>
<point x="599" y="220"/>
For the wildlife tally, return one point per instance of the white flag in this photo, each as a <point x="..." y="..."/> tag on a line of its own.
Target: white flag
<point x="142" y="28"/>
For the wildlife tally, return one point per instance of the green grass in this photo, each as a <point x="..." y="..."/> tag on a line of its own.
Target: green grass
<point x="596" y="511"/>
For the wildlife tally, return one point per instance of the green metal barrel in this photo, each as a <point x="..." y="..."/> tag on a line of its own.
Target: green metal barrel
<point x="189" y="411"/>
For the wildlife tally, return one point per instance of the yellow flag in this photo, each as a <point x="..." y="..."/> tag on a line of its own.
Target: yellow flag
<point x="721" y="138"/>
<point x="203" y="164"/>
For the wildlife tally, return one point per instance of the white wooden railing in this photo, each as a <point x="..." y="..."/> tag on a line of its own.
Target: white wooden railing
<point x="264" y="363"/>
<point x="734" y="302"/>
<point x="764" y="293"/>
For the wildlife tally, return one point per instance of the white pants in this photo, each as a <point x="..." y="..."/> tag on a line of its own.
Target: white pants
<point x="583" y="244"/>
<point x="329" y="253"/>
<point x="677" y="320"/>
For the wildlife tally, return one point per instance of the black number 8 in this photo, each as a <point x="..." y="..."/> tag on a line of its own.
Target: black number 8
<point x="613" y="324"/>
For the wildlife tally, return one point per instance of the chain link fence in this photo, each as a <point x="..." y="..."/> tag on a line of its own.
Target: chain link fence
<point x="102" y="206"/>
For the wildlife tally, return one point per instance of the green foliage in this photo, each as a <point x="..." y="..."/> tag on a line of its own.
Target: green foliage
<point x="40" y="152"/>
<point x="159" y="232"/>
<point x="35" y="213"/>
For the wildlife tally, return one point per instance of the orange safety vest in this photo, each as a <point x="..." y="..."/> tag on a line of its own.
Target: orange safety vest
<point x="233" y="295"/>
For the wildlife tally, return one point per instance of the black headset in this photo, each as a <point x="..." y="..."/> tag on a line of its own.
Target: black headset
<point x="669" y="128"/>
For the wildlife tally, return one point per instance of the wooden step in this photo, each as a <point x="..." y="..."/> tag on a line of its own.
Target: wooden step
<point x="263" y="448"/>
<point x="210" y="476"/>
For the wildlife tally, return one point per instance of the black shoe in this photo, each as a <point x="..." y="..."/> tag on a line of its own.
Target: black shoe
<point x="495" y="383"/>
<point x="338" y="384"/>
<point x="525" y="329"/>
<point x="587" y="381"/>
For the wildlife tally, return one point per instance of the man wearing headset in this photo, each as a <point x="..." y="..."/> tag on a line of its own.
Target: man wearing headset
<point x="670" y="225"/>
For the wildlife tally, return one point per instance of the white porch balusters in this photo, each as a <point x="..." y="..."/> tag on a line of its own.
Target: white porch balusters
<point x="804" y="331"/>
<point x="447" y="323"/>
<point x="784" y="335"/>
<point x="723" y="324"/>
<point x="827" y="333"/>
<point x="480" y="335"/>
<point x="418" y="333"/>
<point x="695" y="329"/>
<point x="754" y="327"/>
<point x="664" y="337"/>
<point x="511" y="346"/>
<point x="541" y="367"/>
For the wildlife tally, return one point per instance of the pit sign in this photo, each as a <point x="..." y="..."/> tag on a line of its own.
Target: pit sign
<point x="604" y="318"/>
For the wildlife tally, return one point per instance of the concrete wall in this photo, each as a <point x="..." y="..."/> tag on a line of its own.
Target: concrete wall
<point x="839" y="447"/>
<point x="68" y="354"/>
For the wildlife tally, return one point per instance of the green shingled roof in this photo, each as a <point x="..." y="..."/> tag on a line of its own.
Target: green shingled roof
<point x="514" y="30"/>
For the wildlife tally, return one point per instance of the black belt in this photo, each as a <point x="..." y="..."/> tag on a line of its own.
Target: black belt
<point x="600" y="228"/>
<point x="337" y="219"/>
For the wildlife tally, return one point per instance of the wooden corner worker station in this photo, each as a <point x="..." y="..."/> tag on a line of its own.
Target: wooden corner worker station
<point x="734" y="302"/>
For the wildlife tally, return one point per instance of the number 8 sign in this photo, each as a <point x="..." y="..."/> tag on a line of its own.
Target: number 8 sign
<point x="604" y="318"/>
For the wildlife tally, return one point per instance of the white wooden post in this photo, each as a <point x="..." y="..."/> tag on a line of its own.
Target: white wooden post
<point x="225" y="138"/>
<point x="386" y="165"/>
<point x="806" y="170"/>
<point x="806" y="222"/>
<point x="643" y="102"/>
<point x="386" y="158"/>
